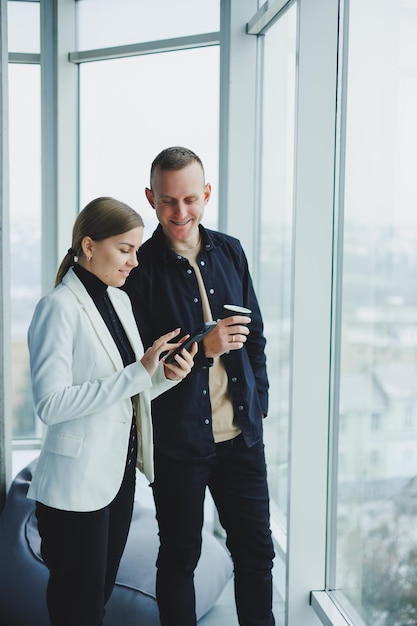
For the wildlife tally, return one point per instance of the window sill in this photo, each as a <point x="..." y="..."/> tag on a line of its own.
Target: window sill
<point x="330" y="613"/>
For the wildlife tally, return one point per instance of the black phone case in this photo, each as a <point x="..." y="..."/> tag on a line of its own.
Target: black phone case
<point x="197" y="336"/>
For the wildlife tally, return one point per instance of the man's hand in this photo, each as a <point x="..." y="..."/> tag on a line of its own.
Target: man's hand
<point x="229" y="334"/>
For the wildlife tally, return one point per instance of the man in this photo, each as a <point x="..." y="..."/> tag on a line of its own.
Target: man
<point x="208" y="429"/>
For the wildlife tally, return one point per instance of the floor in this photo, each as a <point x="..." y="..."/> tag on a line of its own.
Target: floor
<point x="224" y="613"/>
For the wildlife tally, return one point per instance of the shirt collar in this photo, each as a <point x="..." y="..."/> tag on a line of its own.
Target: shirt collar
<point x="94" y="286"/>
<point x="207" y="241"/>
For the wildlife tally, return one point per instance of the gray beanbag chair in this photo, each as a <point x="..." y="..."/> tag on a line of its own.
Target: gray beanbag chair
<point x="23" y="575"/>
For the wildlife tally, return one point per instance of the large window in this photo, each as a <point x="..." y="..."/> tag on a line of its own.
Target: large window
<point x="25" y="205"/>
<point x="23" y="26"/>
<point x="25" y="233"/>
<point x="124" y="22"/>
<point x="131" y="108"/>
<point x="375" y="540"/>
<point x="276" y="220"/>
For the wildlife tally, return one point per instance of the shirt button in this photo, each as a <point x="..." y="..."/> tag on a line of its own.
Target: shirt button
<point x="196" y="300"/>
<point x="207" y="421"/>
<point x="211" y="290"/>
<point x="202" y="263"/>
<point x="240" y="407"/>
<point x="204" y="392"/>
<point x="179" y="256"/>
<point x="208" y="246"/>
<point x="189" y="271"/>
<point x="234" y="379"/>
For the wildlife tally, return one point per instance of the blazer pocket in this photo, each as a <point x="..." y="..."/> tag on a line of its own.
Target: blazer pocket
<point x="63" y="443"/>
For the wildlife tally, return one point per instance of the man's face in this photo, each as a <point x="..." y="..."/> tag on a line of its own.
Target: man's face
<point x="179" y="198"/>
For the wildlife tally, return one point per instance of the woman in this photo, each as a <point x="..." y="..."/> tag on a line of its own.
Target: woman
<point x="92" y="386"/>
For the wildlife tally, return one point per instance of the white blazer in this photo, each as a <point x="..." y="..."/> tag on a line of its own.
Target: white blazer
<point x="82" y="392"/>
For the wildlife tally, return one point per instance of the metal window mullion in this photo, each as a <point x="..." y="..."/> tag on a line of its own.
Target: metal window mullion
<point x="5" y="324"/>
<point x="149" y="47"/>
<point x="28" y="58"/>
<point x="49" y="141"/>
<point x="60" y="134"/>
<point x="312" y="304"/>
<point x="337" y="299"/>
<point x="266" y="15"/>
<point x="238" y="68"/>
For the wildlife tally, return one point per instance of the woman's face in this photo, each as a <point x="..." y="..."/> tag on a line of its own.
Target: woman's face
<point x="113" y="258"/>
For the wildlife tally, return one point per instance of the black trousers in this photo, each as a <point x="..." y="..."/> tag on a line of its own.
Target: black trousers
<point x="82" y="552"/>
<point x="236" y="477"/>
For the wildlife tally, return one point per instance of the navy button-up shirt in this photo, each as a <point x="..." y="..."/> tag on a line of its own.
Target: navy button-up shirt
<point x="165" y="295"/>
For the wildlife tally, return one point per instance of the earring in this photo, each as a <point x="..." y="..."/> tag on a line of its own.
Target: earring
<point x="89" y="258"/>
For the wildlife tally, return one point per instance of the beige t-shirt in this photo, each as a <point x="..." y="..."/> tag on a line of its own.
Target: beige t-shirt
<point x="224" y="425"/>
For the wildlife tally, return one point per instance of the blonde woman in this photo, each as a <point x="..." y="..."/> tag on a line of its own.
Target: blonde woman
<point x="92" y="387"/>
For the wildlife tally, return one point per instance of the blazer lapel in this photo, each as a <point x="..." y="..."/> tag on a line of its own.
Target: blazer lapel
<point x="125" y="315"/>
<point x="97" y="322"/>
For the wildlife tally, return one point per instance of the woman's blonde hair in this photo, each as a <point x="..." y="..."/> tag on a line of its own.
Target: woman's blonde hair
<point x="102" y="218"/>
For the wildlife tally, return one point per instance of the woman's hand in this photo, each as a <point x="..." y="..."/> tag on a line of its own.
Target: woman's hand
<point x="183" y="363"/>
<point x="152" y="355"/>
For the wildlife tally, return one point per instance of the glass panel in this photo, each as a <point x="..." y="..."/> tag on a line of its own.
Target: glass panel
<point x="276" y="240"/>
<point x="23" y="27"/>
<point x="132" y="108"/>
<point x="25" y="233"/>
<point x="125" y="22"/>
<point x="376" y="540"/>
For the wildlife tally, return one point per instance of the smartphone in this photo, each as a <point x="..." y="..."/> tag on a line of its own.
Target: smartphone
<point x="197" y="336"/>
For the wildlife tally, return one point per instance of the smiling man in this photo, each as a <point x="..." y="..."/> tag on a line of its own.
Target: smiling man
<point x="208" y="430"/>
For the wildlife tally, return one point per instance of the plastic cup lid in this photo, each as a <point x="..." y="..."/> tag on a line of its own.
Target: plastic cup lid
<point x="237" y="309"/>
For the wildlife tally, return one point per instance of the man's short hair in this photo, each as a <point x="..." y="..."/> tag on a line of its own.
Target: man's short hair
<point x="174" y="158"/>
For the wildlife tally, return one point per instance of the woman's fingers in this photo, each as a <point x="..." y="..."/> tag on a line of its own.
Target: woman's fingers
<point x="182" y="365"/>
<point x="163" y="343"/>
